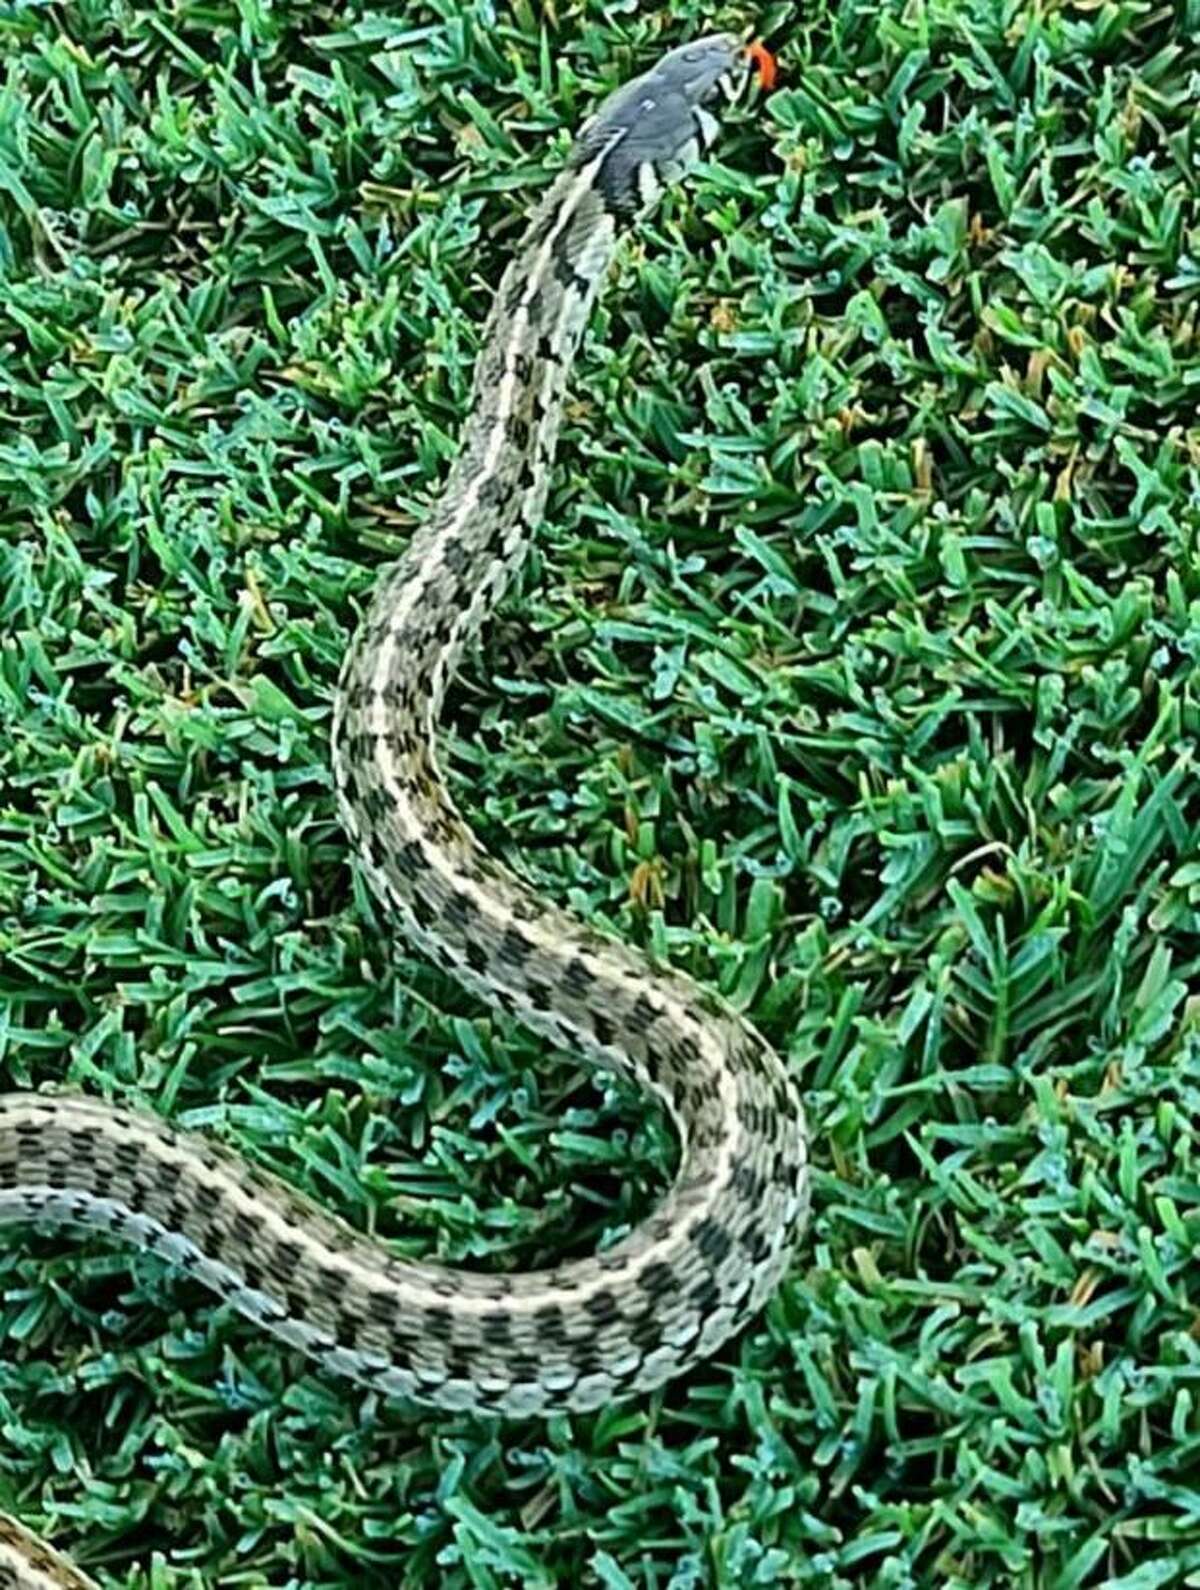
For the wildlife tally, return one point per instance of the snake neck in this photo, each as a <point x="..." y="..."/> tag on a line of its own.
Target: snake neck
<point x="459" y="564"/>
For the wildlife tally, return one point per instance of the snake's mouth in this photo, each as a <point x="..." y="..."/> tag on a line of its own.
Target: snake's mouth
<point x="755" y="59"/>
<point x="730" y="86"/>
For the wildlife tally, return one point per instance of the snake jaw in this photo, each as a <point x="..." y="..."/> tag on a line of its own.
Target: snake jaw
<point x="754" y="60"/>
<point x="707" y="126"/>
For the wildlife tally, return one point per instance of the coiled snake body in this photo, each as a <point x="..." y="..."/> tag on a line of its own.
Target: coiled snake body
<point x="690" y="1275"/>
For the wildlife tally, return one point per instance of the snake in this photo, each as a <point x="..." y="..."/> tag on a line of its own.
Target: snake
<point x="620" y="1322"/>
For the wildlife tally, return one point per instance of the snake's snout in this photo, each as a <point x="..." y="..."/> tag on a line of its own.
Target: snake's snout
<point x="722" y="65"/>
<point x="706" y="69"/>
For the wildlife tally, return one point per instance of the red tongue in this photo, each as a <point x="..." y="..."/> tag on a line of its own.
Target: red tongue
<point x="764" y="61"/>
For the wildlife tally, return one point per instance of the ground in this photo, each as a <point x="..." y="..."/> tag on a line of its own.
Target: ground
<point x="856" y="671"/>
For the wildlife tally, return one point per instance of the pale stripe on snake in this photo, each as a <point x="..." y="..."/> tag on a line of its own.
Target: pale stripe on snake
<point x="628" y="1319"/>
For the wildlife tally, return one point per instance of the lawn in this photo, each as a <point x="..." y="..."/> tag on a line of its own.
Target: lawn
<point x="856" y="670"/>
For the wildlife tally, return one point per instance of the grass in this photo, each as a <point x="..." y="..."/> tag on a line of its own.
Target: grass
<point x="856" y="670"/>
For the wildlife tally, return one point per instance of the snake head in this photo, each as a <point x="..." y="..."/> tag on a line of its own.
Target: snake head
<point x="647" y="134"/>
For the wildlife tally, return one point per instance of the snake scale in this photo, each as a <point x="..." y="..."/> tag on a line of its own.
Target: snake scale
<point x="684" y="1280"/>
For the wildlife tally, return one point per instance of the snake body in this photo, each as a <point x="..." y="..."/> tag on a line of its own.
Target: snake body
<point x="628" y="1319"/>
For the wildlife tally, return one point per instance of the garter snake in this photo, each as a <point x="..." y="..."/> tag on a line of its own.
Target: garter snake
<point x="625" y="1320"/>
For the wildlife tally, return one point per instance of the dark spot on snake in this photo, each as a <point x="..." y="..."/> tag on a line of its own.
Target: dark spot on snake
<point x="551" y="1325"/>
<point x="460" y="1366"/>
<point x="645" y="1332"/>
<point x="617" y="189"/>
<point x="408" y="859"/>
<point x="177" y="1211"/>
<point x="439" y="1323"/>
<point x="495" y="492"/>
<point x="376" y="804"/>
<point x="644" y="1013"/>
<point x="710" y="1239"/>
<point x="456" y="556"/>
<point x="525" y="907"/>
<point x="242" y="1228"/>
<point x="518" y="430"/>
<point x="372" y="844"/>
<point x="683" y="1054"/>
<point x="496" y="1328"/>
<point x="750" y="1116"/>
<point x="656" y="1279"/>
<point x="347" y="1331"/>
<point x="748" y="1184"/>
<point x="514" y="948"/>
<point x="399" y="741"/>
<point x="126" y="1155"/>
<point x="538" y="994"/>
<point x="706" y="1297"/>
<point x="578" y="980"/>
<point x="782" y="1099"/>
<point x="589" y="1358"/>
<point x="252" y="1276"/>
<point x="756" y="1245"/>
<point x="601" y="1306"/>
<point x="564" y="267"/>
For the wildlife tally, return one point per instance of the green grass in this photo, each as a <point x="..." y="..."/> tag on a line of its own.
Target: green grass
<point x="857" y="670"/>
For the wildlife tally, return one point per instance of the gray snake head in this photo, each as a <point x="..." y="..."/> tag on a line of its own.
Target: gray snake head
<point x="656" y="126"/>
